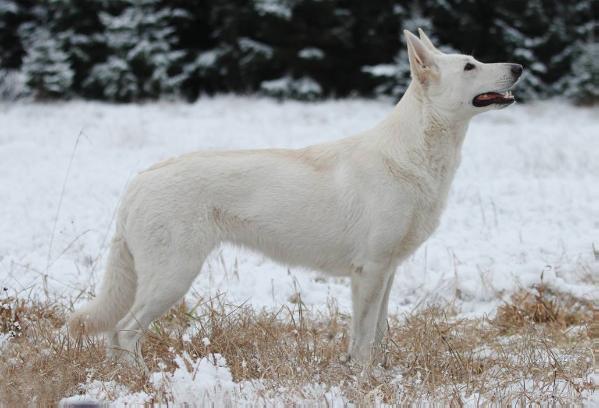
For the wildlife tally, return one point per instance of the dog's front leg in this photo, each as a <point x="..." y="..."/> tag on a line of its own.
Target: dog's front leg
<point x="369" y="285"/>
<point x="381" y="326"/>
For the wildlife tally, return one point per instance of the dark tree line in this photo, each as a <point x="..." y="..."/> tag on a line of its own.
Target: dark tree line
<point x="126" y="50"/>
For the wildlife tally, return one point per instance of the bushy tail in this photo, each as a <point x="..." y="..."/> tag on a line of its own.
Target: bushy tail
<point x="115" y="297"/>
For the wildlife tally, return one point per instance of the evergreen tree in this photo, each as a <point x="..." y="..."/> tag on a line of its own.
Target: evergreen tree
<point x="522" y="27"/>
<point x="12" y="85"/>
<point x="46" y="67"/>
<point x="411" y="21"/>
<point x="329" y="27"/>
<point x="578" y="61"/>
<point x="582" y="84"/>
<point x="304" y="88"/>
<point x="393" y="78"/>
<point x="193" y="34"/>
<point x="74" y="27"/>
<point x="143" y="61"/>
<point x="240" y="59"/>
<point x="77" y="27"/>
<point x="12" y="14"/>
<point x="464" y="25"/>
<point x="127" y="50"/>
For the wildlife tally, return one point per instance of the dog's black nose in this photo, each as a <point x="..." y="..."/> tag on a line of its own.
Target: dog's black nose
<point x="516" y="70"/>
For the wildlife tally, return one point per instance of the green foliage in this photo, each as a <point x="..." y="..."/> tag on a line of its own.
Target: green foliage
<point x="582" y="85"/>
<point x="142" y="56"/>
<point x="46" y="67"/>
<point x="126" y="50"/>
<point x="12" y="14"/>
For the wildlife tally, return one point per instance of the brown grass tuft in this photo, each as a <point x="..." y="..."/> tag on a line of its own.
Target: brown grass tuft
<point x="537" y="349"/>
<point x="543" y="306"/>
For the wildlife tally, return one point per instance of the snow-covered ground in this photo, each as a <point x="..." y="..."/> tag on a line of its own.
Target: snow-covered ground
<point x="524" y="205"/>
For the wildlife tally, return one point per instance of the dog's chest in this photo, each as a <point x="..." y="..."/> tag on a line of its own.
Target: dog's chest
<point x="430" y="196"/>
<point x="427" y="214"/>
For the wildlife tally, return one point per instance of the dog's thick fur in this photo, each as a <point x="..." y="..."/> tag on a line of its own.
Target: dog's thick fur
<point x="355" y="207"/>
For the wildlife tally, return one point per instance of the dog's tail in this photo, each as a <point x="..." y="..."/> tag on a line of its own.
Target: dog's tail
<point x="115" y="297"/>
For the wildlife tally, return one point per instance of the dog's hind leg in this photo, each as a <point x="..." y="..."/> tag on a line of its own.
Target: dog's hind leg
<point x="159" y="287"/>
<point x="114" y="299"/>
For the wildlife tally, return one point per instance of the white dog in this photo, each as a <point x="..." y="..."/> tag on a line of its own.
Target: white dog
<point x="355" y="207"/>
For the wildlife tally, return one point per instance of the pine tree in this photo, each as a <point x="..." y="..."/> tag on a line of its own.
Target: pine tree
<point x="393" y="77"/>
<point x="77" y="27"/>
<point x="12" y="85"/>
<point x="46" y="67"/>
<point x="74" y="27"/>
<point x="135" y="49"/>
<point x="11" y="50"/>
<point x="331" y="27"/>
<point x="15" y="14"/>
<point x="522" y="27"/>
<point x="464" y="25"/>
<point x="143" y="61"/>
<point x="193" y="34"/>
<point x="582" y="84"/>
<point x="241" y="57"/>
<point x="579" y="80"/>
<point x="412" y="20"/>
<point x="304" y="88"/>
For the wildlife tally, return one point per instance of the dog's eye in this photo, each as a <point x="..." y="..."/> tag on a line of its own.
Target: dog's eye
<point x="469" y="67"/>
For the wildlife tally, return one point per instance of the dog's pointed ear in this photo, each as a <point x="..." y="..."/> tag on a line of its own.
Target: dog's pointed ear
<point x="422" y="62"/>
<point x="429" y="44"/>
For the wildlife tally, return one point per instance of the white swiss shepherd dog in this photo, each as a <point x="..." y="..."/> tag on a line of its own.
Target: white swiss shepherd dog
<point x="355" y="207"/>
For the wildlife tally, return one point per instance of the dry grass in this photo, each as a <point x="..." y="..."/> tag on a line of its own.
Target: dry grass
<point x="543" y="305"/>
<point x="537" y="349"/>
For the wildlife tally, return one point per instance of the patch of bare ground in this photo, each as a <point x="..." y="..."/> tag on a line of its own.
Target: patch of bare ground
<point x="537" y="349"/>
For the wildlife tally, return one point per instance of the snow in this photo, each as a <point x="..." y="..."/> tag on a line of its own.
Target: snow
<point x="207" y="58"/>
<point x="311" y="53"/>
<point x="142" y="54"/>
<point x="523" y="207"/>
<point x="46" y="67"/>
<point x="273" y="7"/>
<point x="307" y="86"/>
<point x="253" y="46"/>
<point x="523" y="203"/>
<point x="12" y="84"/>
<point x="278" y="86"/>
<point x="205" y="381"/>
<point x="208" y="379"/>
<point x="7" y="7"/>
<point x="304" y="87"/>
<point x="381" y="70"/>
<point x="4" y="338"/>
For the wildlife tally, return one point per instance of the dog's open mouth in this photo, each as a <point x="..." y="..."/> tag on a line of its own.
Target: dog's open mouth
<point x="490" y="98"/>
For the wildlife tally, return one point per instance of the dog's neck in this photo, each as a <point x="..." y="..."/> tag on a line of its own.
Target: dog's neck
<point x="416" y="127"/>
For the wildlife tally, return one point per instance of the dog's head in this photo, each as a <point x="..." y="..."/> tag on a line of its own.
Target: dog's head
<point x="459" y="84"/>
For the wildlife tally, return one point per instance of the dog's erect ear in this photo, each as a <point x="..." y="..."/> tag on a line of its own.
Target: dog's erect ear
<point x="427" y="41"/>
<point x="422" y="62"/>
